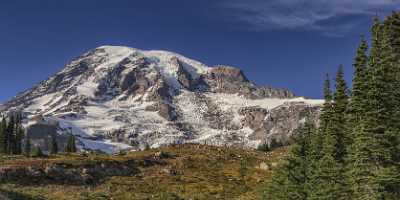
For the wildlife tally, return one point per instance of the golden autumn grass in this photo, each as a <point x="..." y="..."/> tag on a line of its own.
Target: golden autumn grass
<point x="195" y="172"/>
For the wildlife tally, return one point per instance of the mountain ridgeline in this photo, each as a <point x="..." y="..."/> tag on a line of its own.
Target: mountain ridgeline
<point x="355" y="152"/>
<point x="113" y="98"/>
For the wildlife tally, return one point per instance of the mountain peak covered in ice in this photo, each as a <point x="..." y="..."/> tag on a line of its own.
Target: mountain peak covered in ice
<point x="116" y="97"/>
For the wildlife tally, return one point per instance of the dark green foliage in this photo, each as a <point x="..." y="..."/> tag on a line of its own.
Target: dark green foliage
<point x="358" y="103"/>
<point x="37" y="152"/>
<point x="19" y="136"/>
<point x="3" y="136"/>
<point x="27" y="145"/>
<point x="11" y="134"/>
<point x="355" y="154"/>
<point x="316" y="141"/>
<point x="327" y="178"/>
<point x="274" y="144"/>
<point x="53" y="147"/>
<point x="71" y="146"/>
<point x="147" y="147"/>
<point x="361" y="165"/>
<point x="264" y="147"/>
<point x="339" y="126"/>
<point x="290" y="181"/>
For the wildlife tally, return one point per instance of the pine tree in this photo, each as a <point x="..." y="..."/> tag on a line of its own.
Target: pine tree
<point x="357" y="105"/>
<point x="27" y="145"/>
<point x="360" y="166"/>
<point x="18" y="139"/>
<point x="316" y="143"/>
<point x="3" y="136"/>
<point x="71" y="146"/>
<point x="373" y="168"/>
<point x="289" y="182"/>
<point x="327" y="180"/>
<point x="37" y="152"/>
<point x="375" y="115"/>
<point x="325" y="119"/>
<point x="388" y="177"/>
<point x="19" y="133"/>
<point x="340" y="103"/>
<point x="278" y="188"/>
<point x="328" y="177"/>
<point x="11" y="135"/>
<point x="53" y="145"/>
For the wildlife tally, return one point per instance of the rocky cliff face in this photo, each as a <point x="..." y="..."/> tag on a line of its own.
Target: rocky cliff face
<point x="115" y="98"/>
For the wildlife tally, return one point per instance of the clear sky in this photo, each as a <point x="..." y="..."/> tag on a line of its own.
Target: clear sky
<point x="282" y="43"/>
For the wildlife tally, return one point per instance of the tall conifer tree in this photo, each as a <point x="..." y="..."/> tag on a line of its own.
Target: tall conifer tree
<point x="3" y="136"/>
<point x="27" y="145"/>
<point x="71" y="145"/>
<point x="329" y="179"/>
<point x="316" y="144"/>
<point x="289" y="182"/>
<point x="53" y="145"/>
<point x="358" y="102"/>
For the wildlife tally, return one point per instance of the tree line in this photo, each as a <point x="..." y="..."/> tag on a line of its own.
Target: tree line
<point x="354" y="153"/>
<point x="15" y="141"/>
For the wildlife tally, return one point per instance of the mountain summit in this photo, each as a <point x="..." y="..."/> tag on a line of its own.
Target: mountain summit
<point x="115" y="98"/>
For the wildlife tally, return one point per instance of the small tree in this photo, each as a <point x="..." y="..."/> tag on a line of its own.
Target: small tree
<point x="274" y="144"/>
<point x="53" y="147"/>
<point x="264" y="147"/>
<point x="20" y="132"/>
<point x="147" y="147"/>
<point x="3" y="136"/>
<point x="71" y="146"/>
<point x="37" y="152"/>
<point x="27" y="145"/>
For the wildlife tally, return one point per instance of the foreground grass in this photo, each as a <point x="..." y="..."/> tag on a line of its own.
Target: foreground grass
<point x="194" y="172"/>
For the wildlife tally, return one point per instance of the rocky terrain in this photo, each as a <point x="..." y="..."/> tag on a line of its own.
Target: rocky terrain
<point x="115" y="98"/>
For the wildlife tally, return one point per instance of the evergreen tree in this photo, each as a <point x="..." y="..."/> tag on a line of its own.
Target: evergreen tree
<point x="325" y="119"/>
<point x="3" y="136"/>
<point x="360" y="166"/>
<point x="53" y="145"/>
<point x="18" y="138"/>
<point x="316" y="143"/>
<point x="11" y="135"/>
<point x="327" y="180"/>
<point x="37" y="152"/>
<point x="328" y="176"/>
<point x="71" y="146"/>
<point x="374" y="171"/>
<point x="339" y="125"/>
<point x="27" y="145"/>
<point x="278" y="188"/>
<point x="389" y="158"/>
<point x="358" y="103"/>
<point x="289" y="182"/>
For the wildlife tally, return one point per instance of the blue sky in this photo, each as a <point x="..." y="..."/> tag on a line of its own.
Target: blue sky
<point x="282" y="43"/>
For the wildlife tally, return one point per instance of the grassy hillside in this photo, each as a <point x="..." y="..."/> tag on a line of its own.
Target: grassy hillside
<point x="180" y="172"/>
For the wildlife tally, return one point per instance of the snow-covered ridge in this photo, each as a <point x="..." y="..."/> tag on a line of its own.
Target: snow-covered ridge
<point x="116" y="97"/>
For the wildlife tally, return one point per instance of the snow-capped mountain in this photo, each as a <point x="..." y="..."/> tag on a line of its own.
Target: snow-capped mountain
<point x="116" y="97"/>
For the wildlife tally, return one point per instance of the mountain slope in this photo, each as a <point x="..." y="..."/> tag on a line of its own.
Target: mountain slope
<point x="119" y="97"/>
